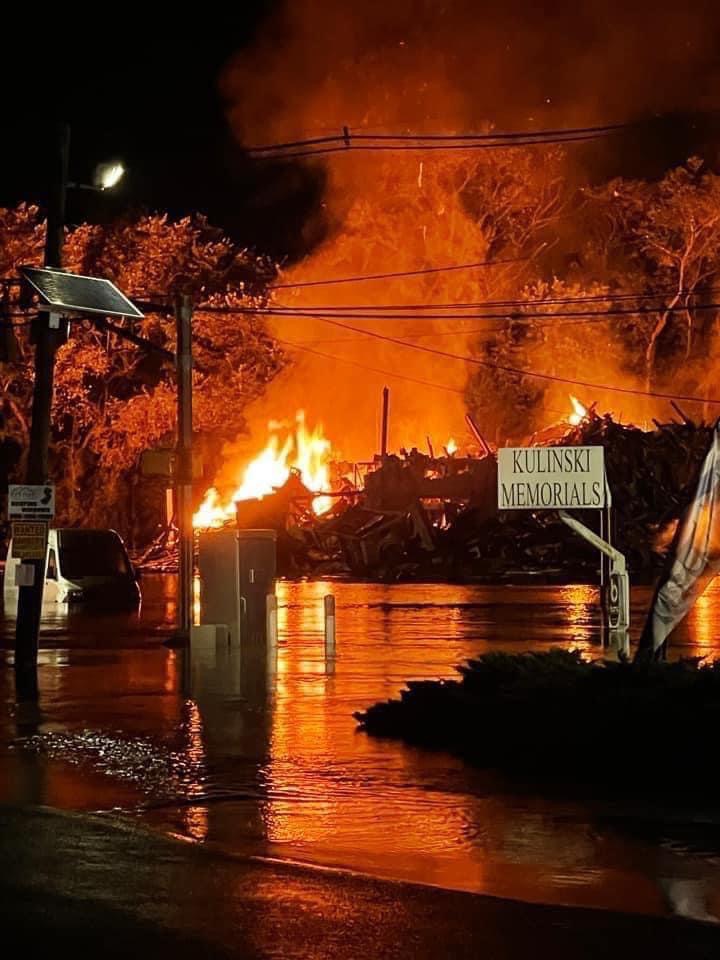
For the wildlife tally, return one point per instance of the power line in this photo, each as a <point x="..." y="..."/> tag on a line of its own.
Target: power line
<point x="346" y="141"/>
<point x="347" y="136"/>
<point x="514" y="302"/>
<point x="455" y="331"/>
<point x="419" y="148"/>
<point x="365" y="366"/>
<point x="525" y="373"/>
<point x="399" y="273"/>
<point x="311" y="313"/>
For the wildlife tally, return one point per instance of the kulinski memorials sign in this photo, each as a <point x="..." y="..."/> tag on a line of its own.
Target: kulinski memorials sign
<point x="551" y="478"/>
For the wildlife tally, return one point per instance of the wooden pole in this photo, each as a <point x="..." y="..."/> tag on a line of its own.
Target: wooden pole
<point x="47" y="339"/>
<point x="183" y="480"/>
<point x="385" y="416"/>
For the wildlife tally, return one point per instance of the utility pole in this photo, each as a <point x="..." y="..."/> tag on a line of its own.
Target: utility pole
<point x="183" y="321"/>
<point x="48" y="333"/>
<point x="384" y="422"/>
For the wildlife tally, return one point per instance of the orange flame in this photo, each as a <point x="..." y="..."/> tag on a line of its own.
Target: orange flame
<point x="451" y="447"/>
<point x="300" y="449"/>
<point x="579" y="411"/>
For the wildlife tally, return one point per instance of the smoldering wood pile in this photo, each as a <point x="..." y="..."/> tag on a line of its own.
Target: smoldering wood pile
<point x="652" y="476"/>
<point x="421" y="517"/>
<point x="161" y="555"/>
<point x="438" y="518"/>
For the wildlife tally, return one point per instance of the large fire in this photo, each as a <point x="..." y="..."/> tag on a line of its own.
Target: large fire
<point x="579" y="411"/>
<point x="289" y="448"/>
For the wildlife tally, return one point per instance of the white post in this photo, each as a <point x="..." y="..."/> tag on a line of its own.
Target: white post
<point x="329" y="605"/>
<point x="271" y="622"/>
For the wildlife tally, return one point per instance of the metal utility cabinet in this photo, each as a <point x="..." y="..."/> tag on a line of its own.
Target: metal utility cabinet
<point x="237" y="572"/>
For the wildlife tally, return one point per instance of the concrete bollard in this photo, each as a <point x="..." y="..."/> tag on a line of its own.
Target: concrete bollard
<point x="329" y="605"/>
<point x="271" y="623"/>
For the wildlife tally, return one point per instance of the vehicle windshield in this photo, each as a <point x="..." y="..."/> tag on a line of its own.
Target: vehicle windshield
<point x="91" y="553"/>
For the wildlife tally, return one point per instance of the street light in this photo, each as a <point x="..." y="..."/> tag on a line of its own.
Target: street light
<point x="108" y="175"/>
<point x="105" y="177"/>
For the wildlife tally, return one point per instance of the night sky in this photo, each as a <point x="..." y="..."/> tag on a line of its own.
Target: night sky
<point x="147" y="92"/>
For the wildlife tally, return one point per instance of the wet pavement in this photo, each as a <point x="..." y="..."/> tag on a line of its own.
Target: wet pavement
<point x="108" y="890"/>
<point x="266" y="761"/>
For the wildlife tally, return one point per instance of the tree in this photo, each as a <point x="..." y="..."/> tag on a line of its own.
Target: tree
<point x="669" y="231"/>
<point x="510" y="405"/>
<point x="659" y="240"/>
<point x="113" y="400"/>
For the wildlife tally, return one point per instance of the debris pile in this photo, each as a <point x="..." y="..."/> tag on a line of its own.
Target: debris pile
<point x="538" y="712"/>
<point x="161" y="555"/>
<point x="652" y="476"/>
<point x="425" y="517"/>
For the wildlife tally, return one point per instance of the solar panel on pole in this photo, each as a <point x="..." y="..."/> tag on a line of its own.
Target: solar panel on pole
<point x="71" y="293"/>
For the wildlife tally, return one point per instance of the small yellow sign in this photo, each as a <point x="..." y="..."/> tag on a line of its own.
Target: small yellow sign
<point x="29" y="539"/>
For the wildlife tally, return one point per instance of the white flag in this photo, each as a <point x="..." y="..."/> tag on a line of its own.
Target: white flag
<point x="695" y="558"/>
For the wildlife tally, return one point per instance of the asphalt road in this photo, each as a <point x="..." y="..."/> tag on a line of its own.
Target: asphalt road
<point x="103" y="888"/>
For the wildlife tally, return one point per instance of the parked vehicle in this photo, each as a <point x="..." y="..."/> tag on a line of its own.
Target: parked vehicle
<point x="81" y="566"/>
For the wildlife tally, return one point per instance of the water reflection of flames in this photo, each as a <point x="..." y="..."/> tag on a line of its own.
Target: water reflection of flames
<point x="311" y="744"/>
<point x="288" y="449"/>
<point x="702" y="624"/>
<point x="195" y="817"/>
<point x="580" y="605"/>
<point x="195" y="822"/>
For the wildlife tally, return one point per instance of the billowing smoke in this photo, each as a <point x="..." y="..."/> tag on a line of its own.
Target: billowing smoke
<point x="440" y="66"/>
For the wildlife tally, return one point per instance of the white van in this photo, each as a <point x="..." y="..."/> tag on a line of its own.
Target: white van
<point x="82" y="565"/>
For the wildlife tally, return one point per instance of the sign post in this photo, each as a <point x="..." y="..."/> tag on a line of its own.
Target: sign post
<point x="562" y="479"/>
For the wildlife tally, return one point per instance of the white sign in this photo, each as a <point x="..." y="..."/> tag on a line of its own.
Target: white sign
<point x="31" y="501"/>
<point x="551" y="478"/>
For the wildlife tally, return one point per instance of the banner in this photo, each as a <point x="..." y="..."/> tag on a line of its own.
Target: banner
<point x="694" y="557"/>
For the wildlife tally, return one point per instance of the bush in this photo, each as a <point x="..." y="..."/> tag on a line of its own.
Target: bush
<point x="557" y="714"/>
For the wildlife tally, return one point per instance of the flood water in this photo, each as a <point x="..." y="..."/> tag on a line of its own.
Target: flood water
<point x="266" y="760"/>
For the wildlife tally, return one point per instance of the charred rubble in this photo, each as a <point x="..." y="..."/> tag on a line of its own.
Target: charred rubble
<point x="435" y="518"/>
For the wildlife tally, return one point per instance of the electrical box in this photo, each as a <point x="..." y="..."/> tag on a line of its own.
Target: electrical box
<point x="257" y="569"/>
<point x="237" y="572"/>
<point x="219" y="583"/>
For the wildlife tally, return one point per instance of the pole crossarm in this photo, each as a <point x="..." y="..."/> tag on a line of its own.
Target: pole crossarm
<point x="131" y="337"/>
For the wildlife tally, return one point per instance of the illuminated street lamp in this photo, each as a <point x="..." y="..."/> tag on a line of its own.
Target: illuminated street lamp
<point x="105" y="177"/>
<point x="108" y="175"/>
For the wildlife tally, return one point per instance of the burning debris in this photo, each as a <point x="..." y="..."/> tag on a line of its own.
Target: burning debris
<point x="290" y="452"/>
<point x="416" y="515"/>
